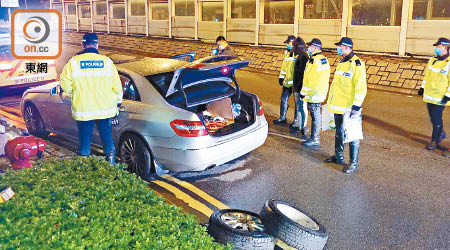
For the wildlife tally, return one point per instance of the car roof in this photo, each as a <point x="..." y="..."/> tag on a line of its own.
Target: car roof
<point x="150" y="66"/>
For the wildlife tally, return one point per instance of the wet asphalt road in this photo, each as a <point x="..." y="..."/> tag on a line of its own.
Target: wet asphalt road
<point x="398" y="199"/>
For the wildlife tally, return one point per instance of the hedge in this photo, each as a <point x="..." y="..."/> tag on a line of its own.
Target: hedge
<point x="84" y="203"/>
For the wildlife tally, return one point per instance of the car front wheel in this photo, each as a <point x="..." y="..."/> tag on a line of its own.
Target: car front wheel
<point x="33" y="121"/>
<point x="134" y="152"/>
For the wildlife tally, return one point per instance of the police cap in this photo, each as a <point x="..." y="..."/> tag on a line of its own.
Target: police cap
<point x="290" y="39"/>
<point x="345" y="41"/>
<point x="442" y="41"/>
<point x="90" y="38"/>
<point x="316" y="42"/>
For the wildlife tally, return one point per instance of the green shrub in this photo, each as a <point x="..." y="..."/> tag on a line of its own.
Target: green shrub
<point x="84" y="203"/>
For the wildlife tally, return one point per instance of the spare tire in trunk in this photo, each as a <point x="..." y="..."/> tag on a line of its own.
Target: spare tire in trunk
<point x="293" y="226"/>
<point x="242" y="229"/>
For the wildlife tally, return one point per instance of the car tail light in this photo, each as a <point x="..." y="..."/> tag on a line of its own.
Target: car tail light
<point x="260" y="108"/>
<point x="225" y="70"/>
<point x="196" y="66"/>
<point x="188" y="128"/>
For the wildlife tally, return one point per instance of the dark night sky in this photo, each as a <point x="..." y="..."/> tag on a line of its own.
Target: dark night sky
<point x="31" y="4"/>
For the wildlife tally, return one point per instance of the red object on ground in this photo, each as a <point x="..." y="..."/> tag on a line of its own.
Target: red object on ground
<point x="20" y="149"/>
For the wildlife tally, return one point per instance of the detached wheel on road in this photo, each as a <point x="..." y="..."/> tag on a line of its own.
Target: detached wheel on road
<point x="293" y="226"/>
<point x="134" y="152"/>
<point x="33" y="121"/>
<point x="242" y="229"/>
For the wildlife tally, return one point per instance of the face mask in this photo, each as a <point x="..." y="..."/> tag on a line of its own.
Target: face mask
<point x="339" y="51"/>
<point x="438" y="51"/>
<point x="289" y="47"/>
<point x="309" y="52"/>
<point x="220" y="47"/>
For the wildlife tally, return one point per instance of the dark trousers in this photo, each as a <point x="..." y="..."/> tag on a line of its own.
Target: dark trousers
<point x="316" y="120"/>
<point x="85" y="129"/>
<point x="339" y="139"/>
<point x="435" y="112"/>
<point x="285" y="94"/>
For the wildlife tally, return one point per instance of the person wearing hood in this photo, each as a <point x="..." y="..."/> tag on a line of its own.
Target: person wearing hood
<point x="285" y="79"/>
<point x="301" y="113"/>
<point x="436" y="90"/>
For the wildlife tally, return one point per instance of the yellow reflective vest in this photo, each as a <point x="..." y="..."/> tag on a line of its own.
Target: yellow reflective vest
<point x="436" y="83"/>
<point x="287" y="69"/>
<point x="316" y="79"/>
<point x="349" y="86"/>
<point x="94" y="83"/>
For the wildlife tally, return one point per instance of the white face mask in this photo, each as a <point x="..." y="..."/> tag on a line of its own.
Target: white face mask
<point x="221" y="47"/>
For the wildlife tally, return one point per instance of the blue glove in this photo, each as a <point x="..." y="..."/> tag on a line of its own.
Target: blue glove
<point x="355" y="110"/>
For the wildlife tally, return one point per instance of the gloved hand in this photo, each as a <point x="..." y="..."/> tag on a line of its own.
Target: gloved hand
<point x="280" y="81"/>
<point x="115" y="120"/>
<point x="355" y="110"/>
<point x="302" y="96"/>
<point x="444" y="100"/>
<point x="420" y="92"/>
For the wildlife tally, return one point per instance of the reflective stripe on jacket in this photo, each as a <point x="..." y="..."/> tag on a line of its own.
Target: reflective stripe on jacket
<point x="290" y="68"/>
<point x="316" y="79"/>
<point x="94" y="83"/>
<point x="436" y="82"/>
<point x="287" y="55"/>
<point x="349" y="86"/>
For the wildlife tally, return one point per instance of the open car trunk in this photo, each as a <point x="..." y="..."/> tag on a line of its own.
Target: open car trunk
<point x="208" y="88"/>
<point x="229" y="115"/>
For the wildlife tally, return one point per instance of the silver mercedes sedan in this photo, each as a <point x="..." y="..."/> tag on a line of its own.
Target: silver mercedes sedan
<point x="181" y="115"/>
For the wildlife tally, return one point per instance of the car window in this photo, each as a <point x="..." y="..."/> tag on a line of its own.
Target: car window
<point x="161" y="81"/>
<point x="129" y="88"/>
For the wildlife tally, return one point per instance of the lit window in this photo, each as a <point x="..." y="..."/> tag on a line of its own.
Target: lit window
<point x="323" y="9"/>
<point x="184" y="8"/>
<point x="70" y="9"/>
<point x="243" y="9"/>
<point x="279" y="11"/>
<point x="117" y="11"/>
<point x="212" y="11"/>
<point x="377" y="12"/>
<point x="136" y="7"/>
<point x="160" y="11"/>
<point x="100" y="8"/>
<point x="437" y="9"/>
<point x="84" y="11"/>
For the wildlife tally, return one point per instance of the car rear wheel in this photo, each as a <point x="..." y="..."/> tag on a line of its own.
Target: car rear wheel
<point x="33" y="121"/>
<point x="241" y="229"/>
<point x="134" y="152"/>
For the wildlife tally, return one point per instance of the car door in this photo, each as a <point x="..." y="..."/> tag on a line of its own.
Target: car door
<point x="61" y="114"/>
<point x="130" y="95"/>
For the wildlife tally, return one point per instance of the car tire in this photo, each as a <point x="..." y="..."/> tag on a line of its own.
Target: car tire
<point x="241" y="229"/>
<point x="134" y="152"/>
<point x="293" y="226"/>
<point x="33" y="121"/>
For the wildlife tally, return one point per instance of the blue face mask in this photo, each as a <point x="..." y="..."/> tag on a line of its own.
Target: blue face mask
<point x="309" y="52"/>
<point x="339" y="51"/>
<point x="438" y="51"/>
<point x="289" y="47"/>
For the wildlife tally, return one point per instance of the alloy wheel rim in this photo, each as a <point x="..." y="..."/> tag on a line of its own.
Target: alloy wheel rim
<point x="29" y="119"/>
<point x="243" y="221"/>
<point x="133" y="155"/>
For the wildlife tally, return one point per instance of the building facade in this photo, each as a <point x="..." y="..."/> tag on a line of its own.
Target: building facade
<point x="388" y="26"/>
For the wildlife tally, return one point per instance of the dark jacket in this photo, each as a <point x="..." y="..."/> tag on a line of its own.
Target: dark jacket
<point x="299" y="70"/>
<point x="227" y="51"/>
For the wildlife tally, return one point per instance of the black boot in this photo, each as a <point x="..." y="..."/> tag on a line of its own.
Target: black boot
<point x="314" y="140"/>
<point x="437" y="136"/>
<point x="339" y="149"/>
<point x="111" y="158"/>
<point x="354" y="156"/>
<point x="283" y="112"/>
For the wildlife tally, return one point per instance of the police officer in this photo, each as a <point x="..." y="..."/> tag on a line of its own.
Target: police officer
<point x="435" y="90"/>
<point x="315" y="88"/>
<point x="286" y="79"/>
<point x="301" y="113"/>
<point x="96" y="90"/>
<point x="224" y="48"/>
<point x="347" y="93"/>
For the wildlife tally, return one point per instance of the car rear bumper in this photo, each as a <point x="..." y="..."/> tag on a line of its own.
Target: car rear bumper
<point x="177" y="160"/>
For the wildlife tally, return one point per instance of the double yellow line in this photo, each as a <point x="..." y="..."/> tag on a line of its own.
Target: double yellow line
<point x="193" y="203"/>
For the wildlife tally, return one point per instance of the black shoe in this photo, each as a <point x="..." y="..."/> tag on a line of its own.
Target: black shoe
<point x="293" y="127"/>
<point x="279" y="121"/>
<point x="350" y="168"/>
<point x="311" y="144"/>
<point x="334" y="159"/>
<point x="431" y="146"/>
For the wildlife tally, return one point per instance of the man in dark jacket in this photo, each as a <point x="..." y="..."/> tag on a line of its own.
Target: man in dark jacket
<point x="301" y="115"/>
